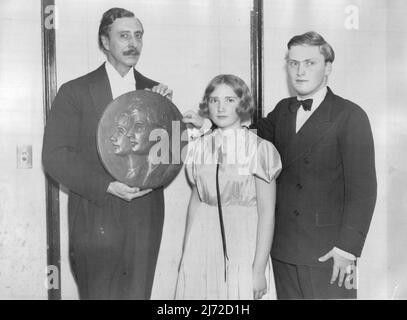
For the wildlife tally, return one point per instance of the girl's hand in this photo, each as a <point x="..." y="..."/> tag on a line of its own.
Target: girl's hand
<point x="259" y="285"/>
<point x="193" y="118"/>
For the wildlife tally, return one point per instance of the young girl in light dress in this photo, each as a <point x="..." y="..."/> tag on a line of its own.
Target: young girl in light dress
<point x="226" y="252"/>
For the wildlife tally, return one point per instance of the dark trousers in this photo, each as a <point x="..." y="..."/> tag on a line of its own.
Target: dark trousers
<point x="309" y="282"/>
<point x="114" y="248"/>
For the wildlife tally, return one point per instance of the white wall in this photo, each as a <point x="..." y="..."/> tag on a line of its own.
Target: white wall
<point x="186" y="44"/>
<point x="396" y="151"/>
<point x="22" y="191"/>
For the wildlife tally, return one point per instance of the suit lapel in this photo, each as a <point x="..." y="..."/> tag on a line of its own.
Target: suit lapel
<point x="287" y="127"/>
<point x="313" y="130"/>
<point x="140" y="80"/>
<point x="100" y="90"/>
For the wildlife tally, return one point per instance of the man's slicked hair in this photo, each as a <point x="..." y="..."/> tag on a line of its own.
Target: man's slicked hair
<point x="313" y="38"/>
<point x="108" y="18"/>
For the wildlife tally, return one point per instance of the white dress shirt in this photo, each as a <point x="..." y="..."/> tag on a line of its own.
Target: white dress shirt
<point x="302" y="115"/>
<point x="118" y="84"/>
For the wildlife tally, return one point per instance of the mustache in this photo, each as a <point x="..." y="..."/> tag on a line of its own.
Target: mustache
<point x="131" y="51"/>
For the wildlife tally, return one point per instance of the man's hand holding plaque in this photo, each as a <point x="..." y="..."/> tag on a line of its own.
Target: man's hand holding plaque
<point x="125" y="192"/>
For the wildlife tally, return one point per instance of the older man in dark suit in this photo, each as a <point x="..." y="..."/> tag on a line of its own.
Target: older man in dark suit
<point x="326" y="192"/>
<point x="114" y="230"/>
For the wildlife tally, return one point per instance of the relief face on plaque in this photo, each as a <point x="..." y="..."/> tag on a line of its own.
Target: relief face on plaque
<point x="139" y="139"/>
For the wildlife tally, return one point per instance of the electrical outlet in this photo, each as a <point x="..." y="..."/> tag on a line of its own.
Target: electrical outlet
<point x="24" y="157"/>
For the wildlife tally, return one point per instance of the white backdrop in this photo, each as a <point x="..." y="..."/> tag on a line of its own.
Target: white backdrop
<point x="22" y="191"/>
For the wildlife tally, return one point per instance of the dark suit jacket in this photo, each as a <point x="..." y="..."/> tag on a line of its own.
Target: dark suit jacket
<point x="326" y="192"/>
<point x="109" y="237"/>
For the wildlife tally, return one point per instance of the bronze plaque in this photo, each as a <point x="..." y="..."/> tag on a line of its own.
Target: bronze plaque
<point x="140" y="138"/>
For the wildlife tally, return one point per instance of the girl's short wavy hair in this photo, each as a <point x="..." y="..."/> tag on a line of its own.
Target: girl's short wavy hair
<point x="240" y="88"/>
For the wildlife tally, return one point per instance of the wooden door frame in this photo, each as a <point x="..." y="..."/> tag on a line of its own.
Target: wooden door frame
<point x="256" y="57"/>
<point x="48" y="25"/>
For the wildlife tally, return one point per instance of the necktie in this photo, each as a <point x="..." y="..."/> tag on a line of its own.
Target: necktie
<point x="306" y="104"/>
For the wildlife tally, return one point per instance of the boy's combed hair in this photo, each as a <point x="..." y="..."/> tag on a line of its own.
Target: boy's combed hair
<point x="240" y="88"/>
<point x="313" y="38"/>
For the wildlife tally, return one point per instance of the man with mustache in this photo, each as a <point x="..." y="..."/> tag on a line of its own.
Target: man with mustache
<point x="114" y="230"/>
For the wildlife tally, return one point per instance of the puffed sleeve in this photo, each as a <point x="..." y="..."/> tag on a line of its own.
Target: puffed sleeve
<point x="190" y="163"/>
<point x="266" y="163"/>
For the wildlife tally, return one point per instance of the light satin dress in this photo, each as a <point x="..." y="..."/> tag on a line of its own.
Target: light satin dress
<point x="202" y="270"/>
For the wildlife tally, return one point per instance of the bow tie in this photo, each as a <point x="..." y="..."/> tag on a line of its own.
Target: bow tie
<point x="306" y="104"/>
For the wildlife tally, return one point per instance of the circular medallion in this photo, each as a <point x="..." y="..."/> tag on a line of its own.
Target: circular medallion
<point x="140" y="138"/>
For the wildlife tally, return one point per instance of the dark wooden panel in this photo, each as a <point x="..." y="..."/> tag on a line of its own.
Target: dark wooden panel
<point x="256" y="40"/>
<point x="52" y="187"/>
